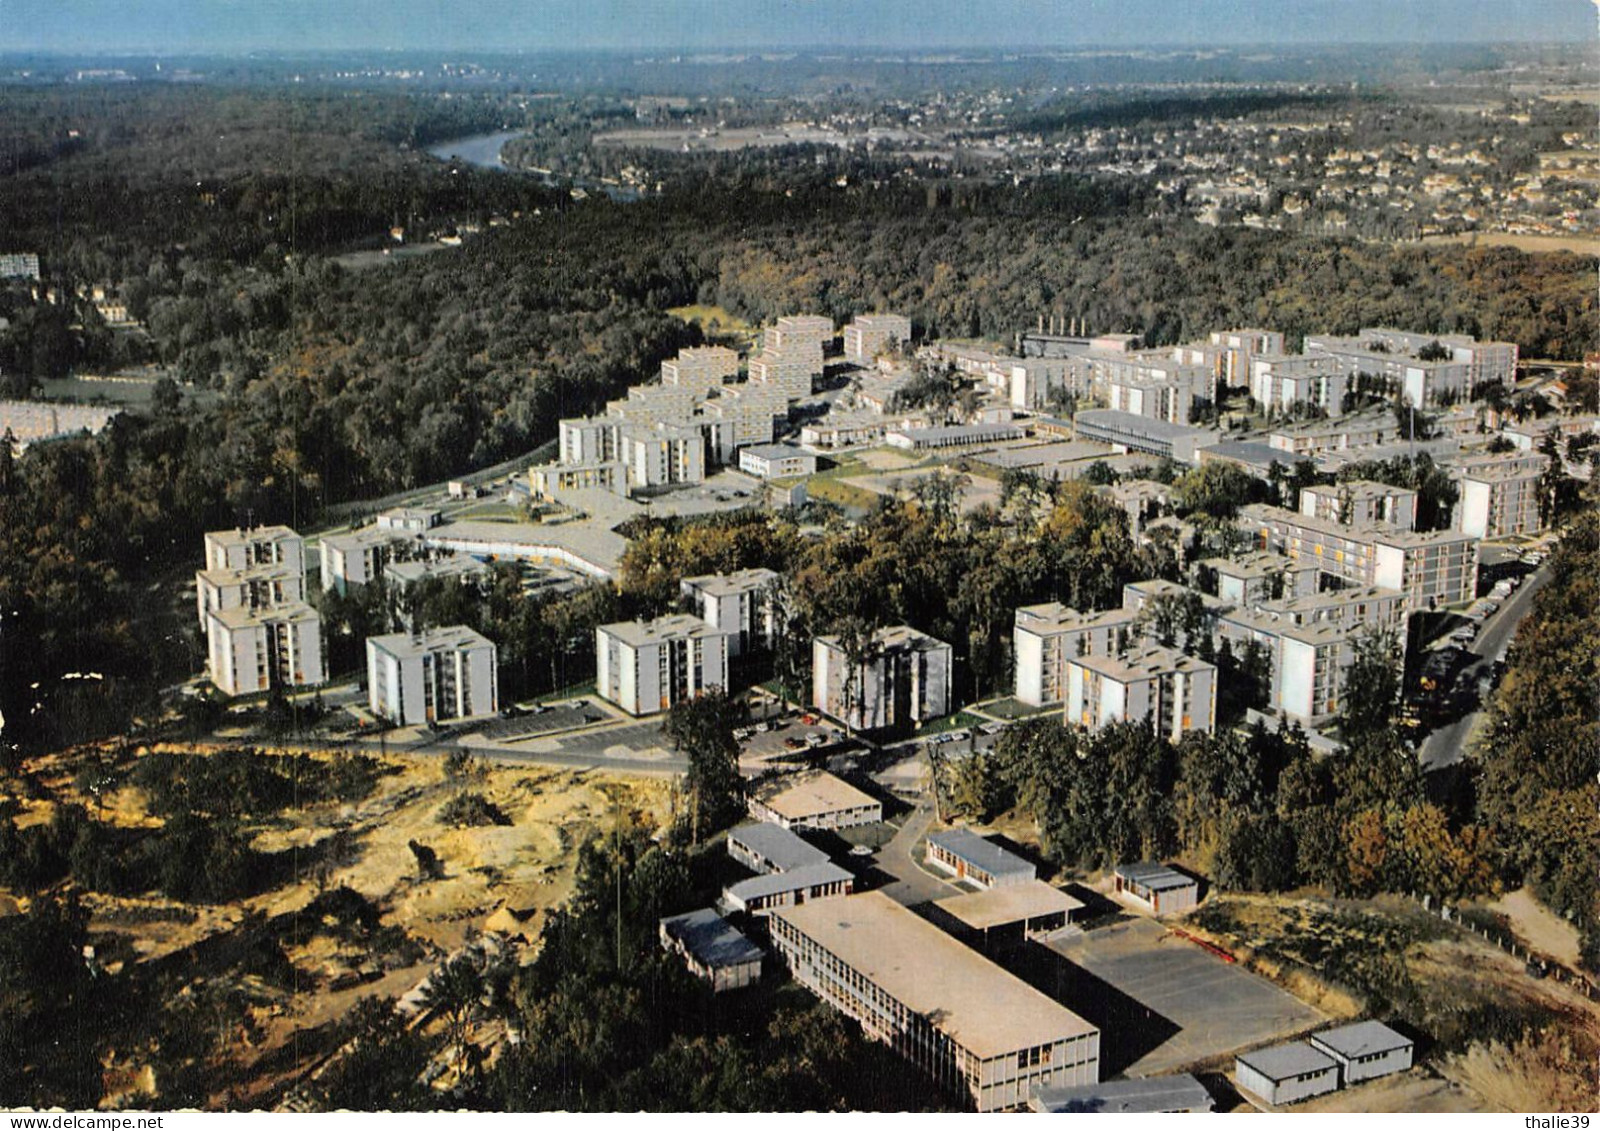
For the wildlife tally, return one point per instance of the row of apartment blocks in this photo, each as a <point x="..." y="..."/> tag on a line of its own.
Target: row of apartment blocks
<point x="697" y="416"/>
<point x="1164" y="384"/>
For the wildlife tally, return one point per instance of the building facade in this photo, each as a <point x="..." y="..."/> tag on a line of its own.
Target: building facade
<point x="973" y="1028"/>
<point x="255" y="650"/>
<point x="1173" y="692"/>
<point x="739" y="604"/>
<point x="903" y="677"/>
<point x="433" y="676"/>
<point x="646" y="667"/>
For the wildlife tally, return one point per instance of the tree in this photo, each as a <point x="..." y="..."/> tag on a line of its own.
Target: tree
<point x="1371" y="686"/>
<point x="381" y="1066"/>
<point x="454" y="994"/>
<point x="701" y="729"/>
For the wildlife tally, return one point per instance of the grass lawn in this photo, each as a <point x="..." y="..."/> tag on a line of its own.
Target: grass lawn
<point x="494" y="512"/>
<point x="716" y="322"/>
<point x="957" y="721"/>
<point x="1012" y="708"/>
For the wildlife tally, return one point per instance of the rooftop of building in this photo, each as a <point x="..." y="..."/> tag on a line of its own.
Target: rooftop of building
<point x="451" y="638"/>
<point x="1042" y="455"/>
<point x="1014" y="903"/>
<point x="895" y="638"/>
<point x="1154" y="876"/>
<point x="1055" y="617"/>
<point x="1252" y="452"/>
<point x="986" y="854"/>
<point x="975" y="1003"/>
<point x="790" y="879"/>
<point x="405" y="573"/>
<point x="358" y="539"/>
<point x="243" y="537"/>
<point x="270" y="571"/>
<point x="780" y="847"/>
<point x="711" y="939"/>
<point x="1125" y="1097"/>
<point x="1363" y="1038"/>
<point x="811" y="795"/>
<point x="243" y="617"/>
<point x="679" y="626"/>
<point x="1333" y="599"/>
<point x="1256" y="563"/>
<point x="998" y="430"/>
<point x="1281" y="1062"/>
<point x="1133" y="424"/>
<point x="776" y="451"/>
<point x="1359" y="489"/>
<point x="728" y="584"/>
<point x="593" y="543"/>
<point x="1378" y="533"/>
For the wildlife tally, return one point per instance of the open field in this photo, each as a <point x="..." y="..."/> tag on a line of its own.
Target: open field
<point x="1489" y="1037"/>
<point x="1578" y="245"/>
<point x="503" y="877"/>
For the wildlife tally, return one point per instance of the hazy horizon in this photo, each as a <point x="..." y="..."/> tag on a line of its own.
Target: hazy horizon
<point x="230" y="27"/>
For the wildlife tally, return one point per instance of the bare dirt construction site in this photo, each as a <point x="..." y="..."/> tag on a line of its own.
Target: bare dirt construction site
<point x="1489" y="1036"/>
<point x="344" y="897"/>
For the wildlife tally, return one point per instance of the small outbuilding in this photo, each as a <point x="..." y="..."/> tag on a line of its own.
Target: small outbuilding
<point x="1158" y="887"/>
<point x="1287" y="1073"/>
<point x="983" y="863"/>
<point x="1006" y="916"/>
<point x="1161" y="1095"/>
<point x="1365" y="1050"/>
<point x="712" y="948"/>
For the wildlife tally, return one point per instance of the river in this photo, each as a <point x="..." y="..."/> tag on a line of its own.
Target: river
<point x="483" y="151"/>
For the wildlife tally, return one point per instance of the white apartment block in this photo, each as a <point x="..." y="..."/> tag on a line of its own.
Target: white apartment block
<point x="1392" y="355"/>
<point x="433" y="676"/>
<point x="792" y="374"/>
<point x="1280" y="383"/>
<point x="701" y="368"/>
<point x="1262" y="575"/>
<point x="777" y="461"/>
<point x="870" y="334"/>
<point x="798" y="334"/>
<point x="1235" y="350"/>
<point x="1046" y="636"/>
<point x="1499" y="497"/>
<point x="354" y="559"/>
<point x="975" y="1029"/>
<point x="646" y="667"/>
<point x="1312" y="438"/>
<point x="1033" y="379"/>
<point x="1430" y="569"/>
<point x="555" y="480"/>
<point x="589" y="440"/>
<point x="263" y="545"/>
<point x="739" y="604"/>
<point x="663" y="455"/>
<point x="904" y="677"/>
<point x="258" y="587"/>
<point x="1155" y="398"/>
<point x="1361" y="501"/>
<point x="254" y="650"/>
<point x="1173" y="692"/>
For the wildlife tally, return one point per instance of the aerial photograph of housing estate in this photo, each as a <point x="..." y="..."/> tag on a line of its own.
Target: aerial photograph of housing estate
<point x="722" y="555"/>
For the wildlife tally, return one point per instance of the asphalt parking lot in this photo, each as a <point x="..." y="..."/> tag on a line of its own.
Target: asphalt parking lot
<point x="1162" y="1002"/>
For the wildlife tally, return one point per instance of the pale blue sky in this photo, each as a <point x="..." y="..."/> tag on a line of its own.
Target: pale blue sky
<point x="180" y="26"/>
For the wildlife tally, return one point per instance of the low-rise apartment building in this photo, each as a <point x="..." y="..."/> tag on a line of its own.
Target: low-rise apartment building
<point x="1046" y="636"/>
<point x="739" y="604"/>
<point x="1361" y="501"/>
<point x="902" y="677"/>
<point x="777" y="461"/>
<point x="646" y="667"/>
<point x="254" y="650"/>
<point x="415" y="679"/>
<point x="1499" y="497"/>
<point x="261" y="545"/>
<point x="868" y="335"/>
<point x="1175" y="693"/>
<point x="258" y="587"/>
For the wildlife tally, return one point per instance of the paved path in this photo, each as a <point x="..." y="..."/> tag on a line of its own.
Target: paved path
<point x="902" y="859"/>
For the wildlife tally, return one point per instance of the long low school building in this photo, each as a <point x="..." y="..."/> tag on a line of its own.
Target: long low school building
<point x="763" y="894"/>
<point x="815" y="801"/>
<point x="971" y="1026"/>
<point x="983" y="863"/>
